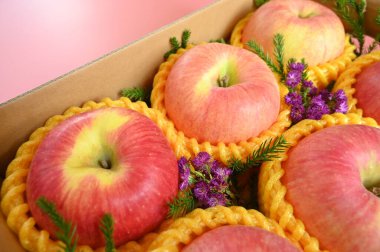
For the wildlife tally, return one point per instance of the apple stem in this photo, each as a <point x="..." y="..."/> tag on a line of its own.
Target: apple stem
<point x="223" y="81"/>
<point x="105" y="163"/>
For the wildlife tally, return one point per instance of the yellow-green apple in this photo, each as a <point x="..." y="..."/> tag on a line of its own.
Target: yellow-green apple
<point x="220" y="93"/>
<point x="239" y="238"/>
<point x="367" y="88"/>
<point x="111" y="160"/>
<point x="311" y="30"/>
<point x="329" y="177"/>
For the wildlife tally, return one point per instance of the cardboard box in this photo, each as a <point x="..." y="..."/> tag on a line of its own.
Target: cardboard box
<point x="132" y="65"/>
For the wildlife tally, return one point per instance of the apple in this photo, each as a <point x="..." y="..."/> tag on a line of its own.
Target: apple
<point x="111" y="160"/>
<point x="311" y="30"/>
<point x="220" y="93"/>
<point x="239" y="238"/>
<point x="367" y="88"/>
<point x="329" y="176"/>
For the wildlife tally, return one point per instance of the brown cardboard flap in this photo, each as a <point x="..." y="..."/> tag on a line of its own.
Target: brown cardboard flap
<point x="132" y="65"/>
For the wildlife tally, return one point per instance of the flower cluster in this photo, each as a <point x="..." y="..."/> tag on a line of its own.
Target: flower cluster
<point x="305" y="100"/>
<point x="208" y="180"/>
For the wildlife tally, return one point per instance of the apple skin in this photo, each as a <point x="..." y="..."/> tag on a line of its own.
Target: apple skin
<point x="207" y="112"/>
<point x="317" y="38"/>
<point x="326" y="176"/>
<point x="135" y="191"/>
<point x="239" y="238"/>
<point x="367" y="92"/>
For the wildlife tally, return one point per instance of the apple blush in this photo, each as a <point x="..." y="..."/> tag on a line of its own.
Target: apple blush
<point x="111" y="160"/>
<point x="220" y="93"/>
<point x="367" y="92"/>
<point x="239" y="238"/>
<point x="332" y="177"/>
<point x="311" y="30"/>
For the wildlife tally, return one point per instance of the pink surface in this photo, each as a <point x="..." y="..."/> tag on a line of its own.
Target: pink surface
<point x="43" y="39"/>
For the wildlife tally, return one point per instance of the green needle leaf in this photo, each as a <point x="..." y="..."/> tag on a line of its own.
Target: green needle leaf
<point x="182" y="204"/>
<point x="185" y="38"/>
<point x="136" y="94"/>
<point x="258" y="3"/>
<point x="106" y="226"/>
<point x="175" y="45"/>
<point x="267" y="151"/>
<point x="66" y="233"/>
<point x="278" y="42"/>
<point x="258" y="49"/>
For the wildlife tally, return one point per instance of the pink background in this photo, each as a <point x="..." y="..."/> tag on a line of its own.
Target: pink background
<point x="43" y="39"/>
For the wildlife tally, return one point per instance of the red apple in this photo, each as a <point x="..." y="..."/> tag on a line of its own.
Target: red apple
<point x="329" y="176"/>
<point x="368" y="91"/>
<point x="110" y="160"/>
<point x="311" y="30"/>
<point x="200" y="107"/>
<point x="239" y="238"/>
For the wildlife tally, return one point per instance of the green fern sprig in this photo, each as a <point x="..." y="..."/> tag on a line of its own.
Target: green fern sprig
<point x="66" y="232"/>
<point x="107" y="227"/>
<point x="182" y="204"/>
<point x="175" y="44"/>
<point x="259" y="51"/>
<point x="136" y="94"/>
<point x="258" y="3"/>
<point x="267" y="151"/>
<point x="278" y="42"/>
<point x="220" y="40"/>
<point x="345" y="9"/>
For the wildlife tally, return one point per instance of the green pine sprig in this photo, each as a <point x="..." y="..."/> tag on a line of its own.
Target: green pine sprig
<point x="267" y="151"/>
<point x="220" y="40"/>
<point x="377" y="20"/>
<point x="136" y="94"/>
<point x="258" y="3"/>
<point x="176" y="45"/>
<point x="182" y="204"/>
<point x="107" y="227"/>
<point x="258" y="49"/>
<point x="352" y="12"/>
<point x="66" y="232"/>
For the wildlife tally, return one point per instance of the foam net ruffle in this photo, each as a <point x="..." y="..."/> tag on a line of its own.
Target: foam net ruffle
<point x="271" y="191"/>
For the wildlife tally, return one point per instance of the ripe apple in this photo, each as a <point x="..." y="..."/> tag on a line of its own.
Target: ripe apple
<point x="367" y="88"/>
<point x="220" y="93"/>
<point x="329" y="176"/>
<point x="311" y="30"/>
<point x="110" y="160"/>
<point x="239" y="238"/>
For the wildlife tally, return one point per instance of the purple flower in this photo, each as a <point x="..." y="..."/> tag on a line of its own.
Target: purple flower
<point x="218" y="184"/>
<point x="297" y="113"/>
<point x="184" y="173"/>
<point x="307" y="84"/>
<point x="201" y="159"/>
<point x="216" y="199"/>
<point x="313" y="91"/>
<point x="341" y="104"/>
<point x="296" y="66"/>
<point x="293" y="99"/>
<point x="293" y="78"/>
<point x="317" y="108"/>
<point x="219" y="171"/>
<point x="201" y="191"/>
<point x="326" y="95"/>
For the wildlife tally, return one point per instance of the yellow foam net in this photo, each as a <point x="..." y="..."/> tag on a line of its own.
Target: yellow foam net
<point x="189" y="147"/>
<point x="13" y="191"/>
<point x="184" y="230"/>
<point x="321" y="74"/>
<point x="347" y="79"/>
<point x="271" y="192"/>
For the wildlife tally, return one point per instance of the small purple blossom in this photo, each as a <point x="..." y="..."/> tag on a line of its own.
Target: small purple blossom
<point x="184" y="173"/>
<point x="296" y="66"/>
<point x="326" y="95"/>
<point x="216" y="199"/>
<point x="317" y="108"/>
<point x="307" y="84"/>
<point x="313" y="91"/>
<point x="341" y="103"/>
<point x="201" y="191"/>
<point x="293" y="78"/>
<point x="201" y="159"/>
<point x="297" y="113"/>
<point x="293" y="99"/>
<point x="220" y="171"/>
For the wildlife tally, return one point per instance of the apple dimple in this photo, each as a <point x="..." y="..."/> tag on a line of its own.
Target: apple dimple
<point x="326" y="175"/>
<point x="111" y="160"/>
<point x="220" y="93"/>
